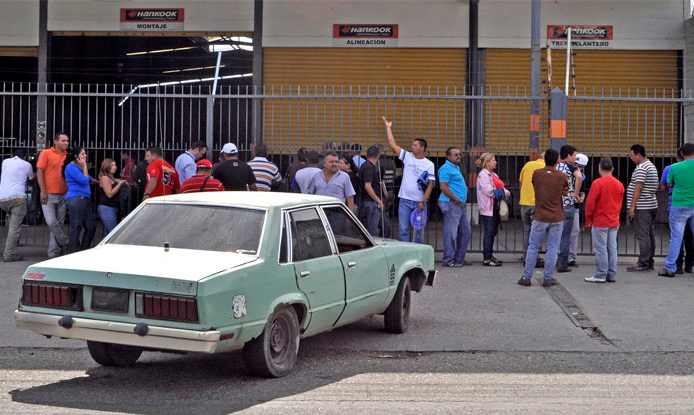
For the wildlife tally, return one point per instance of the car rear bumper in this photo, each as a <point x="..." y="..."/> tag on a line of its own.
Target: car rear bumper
<point x="118" y="333"/>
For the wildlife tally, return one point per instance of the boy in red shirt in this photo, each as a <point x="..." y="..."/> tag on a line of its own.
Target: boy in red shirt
<point x="202" y="180"/>
<point x="602" y="212"/>
<point x="162" y="178"/>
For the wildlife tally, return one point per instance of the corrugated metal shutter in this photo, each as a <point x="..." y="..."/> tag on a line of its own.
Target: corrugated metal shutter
<point x="294" y="122"/>
<point x="30" y="51"/>
<point x="596" y="127"/>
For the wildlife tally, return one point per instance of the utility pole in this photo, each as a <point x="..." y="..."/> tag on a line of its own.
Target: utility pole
<point x="258" y="71"/>
<point x="535" y="79"/>
<point x="42" y="78"/>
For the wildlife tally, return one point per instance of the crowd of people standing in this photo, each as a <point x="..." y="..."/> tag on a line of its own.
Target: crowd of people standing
<point x="551" y="191"/>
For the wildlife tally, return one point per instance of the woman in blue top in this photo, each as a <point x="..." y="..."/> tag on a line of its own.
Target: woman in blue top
<point x="78" y="200"/>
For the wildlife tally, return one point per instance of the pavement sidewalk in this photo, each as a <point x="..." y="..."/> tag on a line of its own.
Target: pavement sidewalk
<point x="482" y="308"/>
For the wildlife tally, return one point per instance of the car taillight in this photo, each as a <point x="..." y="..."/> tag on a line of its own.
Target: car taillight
<point x="52" y="295"/>
<point x="166" y="307"/>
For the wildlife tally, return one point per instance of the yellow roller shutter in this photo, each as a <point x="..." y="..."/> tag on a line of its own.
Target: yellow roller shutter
<point x="596" y="127"/>
<point x="294" y="122"/>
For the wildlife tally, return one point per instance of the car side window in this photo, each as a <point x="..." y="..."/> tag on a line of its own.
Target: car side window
<point x="309" y="239"/>
<point x="284" y="255"/>
<point x="348" y="235"/>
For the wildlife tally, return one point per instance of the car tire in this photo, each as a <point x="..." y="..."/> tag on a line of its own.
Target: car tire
<point x="397" y="315"/>
<point x="108" y="354"/>
<point x="273" y="353"/>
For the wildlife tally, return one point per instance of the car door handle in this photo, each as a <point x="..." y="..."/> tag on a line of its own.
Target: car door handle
<point x="304" y="274"/>
<point x="351" y="264"/>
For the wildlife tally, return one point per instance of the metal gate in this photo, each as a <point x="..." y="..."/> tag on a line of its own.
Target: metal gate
<point x="113" y="120"/>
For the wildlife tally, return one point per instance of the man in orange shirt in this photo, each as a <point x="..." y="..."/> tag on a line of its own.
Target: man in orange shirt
<point x="49" y="171"/>
<point x="162" y="178"/>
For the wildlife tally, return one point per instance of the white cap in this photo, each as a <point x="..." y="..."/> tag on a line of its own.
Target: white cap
<point x="229" y="148"/>
<point x="581" y="159"/>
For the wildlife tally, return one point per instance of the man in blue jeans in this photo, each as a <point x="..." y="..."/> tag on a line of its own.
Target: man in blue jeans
<point x="682" y="211"/>
<point x="371" y="189"/>
<point x="456" y="227"/>
<point x="550" y="186"/>
<point x="418" y="177"/>
<point x="575" y="180"/>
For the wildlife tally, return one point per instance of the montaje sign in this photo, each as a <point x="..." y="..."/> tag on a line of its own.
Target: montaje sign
<point x="365" y="35"/>
<point x="582" y="36"/>
<point x="151" y="19"/>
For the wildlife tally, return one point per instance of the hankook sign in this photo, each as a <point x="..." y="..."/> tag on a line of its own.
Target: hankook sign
<point x="151" y="19"/>
<point x="365" y="35"/>
<point x="582" y="36"/>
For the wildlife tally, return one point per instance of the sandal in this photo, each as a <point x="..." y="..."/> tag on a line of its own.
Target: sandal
<point x="491" y="263"/>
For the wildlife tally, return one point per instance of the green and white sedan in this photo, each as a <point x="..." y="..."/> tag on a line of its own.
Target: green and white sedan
<point x="223" y="271"/>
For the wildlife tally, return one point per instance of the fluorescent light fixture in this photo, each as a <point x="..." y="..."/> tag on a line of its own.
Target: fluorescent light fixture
<point x="136" y="53"/>
<point x="245" y="47"/>
<point x="221" y="48"/>
<point x="199" y="68"/>
<point x="190" y="81"/>
<point x="169" y="83"/>
<point x="159" y="51"/>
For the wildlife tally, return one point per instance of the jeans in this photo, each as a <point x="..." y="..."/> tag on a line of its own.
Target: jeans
<point x="404" y="213"/>
<point x="538" y="232"/>
<point x="527" y="214"/>
<point x="81" y="216"/>
<point x="109" y="217"/>
<point x="54" y="213"/>
<point x="686" y="257"/>
<point x="680" y="216"/>
<point x="605" y="248"/>
<point x="16" y="209"/>
<point x="456" y="232"/>
<point x="374" y="219"/>
<point x="644" y="220"/>
<point x="575" y="232"/>
<point x="565" y="244"/>
<point x="491" y="225"/>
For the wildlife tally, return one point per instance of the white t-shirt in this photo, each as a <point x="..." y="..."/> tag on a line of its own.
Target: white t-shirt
<point x="412" y="169"/>
<point x="303" y="177"/>
<point x="15" y="173"/>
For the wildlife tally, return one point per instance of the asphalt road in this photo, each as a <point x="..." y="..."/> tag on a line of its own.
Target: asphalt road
<point x="478" y="343"/>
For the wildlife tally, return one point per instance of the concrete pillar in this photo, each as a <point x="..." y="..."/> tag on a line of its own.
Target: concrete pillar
<point x="559" y="109"/>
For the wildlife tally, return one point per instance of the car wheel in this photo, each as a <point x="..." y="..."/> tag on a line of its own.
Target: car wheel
<point x="273" y="353"/>
<point x="397" y="315"/>
<point x="108" y="354"/>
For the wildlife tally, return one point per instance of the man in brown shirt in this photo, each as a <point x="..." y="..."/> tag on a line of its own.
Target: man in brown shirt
<point x="549" y="184"/>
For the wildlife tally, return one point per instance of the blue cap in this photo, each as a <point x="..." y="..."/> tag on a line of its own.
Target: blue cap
<point x="418" y="224"/>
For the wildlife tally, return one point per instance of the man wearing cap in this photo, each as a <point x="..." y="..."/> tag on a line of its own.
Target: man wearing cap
<point x="186" y="163"/>
<point x="232" y="172"/>
<point x="16" y="172"/>
<point x="581" y="163"/>
<point x="202" y="181"/>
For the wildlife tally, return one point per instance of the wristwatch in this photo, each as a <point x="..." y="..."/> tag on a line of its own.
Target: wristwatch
<point x="146" y="193"/>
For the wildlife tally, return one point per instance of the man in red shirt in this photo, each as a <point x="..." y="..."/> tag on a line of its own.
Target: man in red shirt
<point x="202" y="180"/>
<point x="162" y="178"/>
<point x="602" y="212"/>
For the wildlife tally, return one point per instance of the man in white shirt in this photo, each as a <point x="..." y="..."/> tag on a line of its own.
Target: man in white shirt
<point x="417" y="170"/>
<point x="303" y="177"/>
<point x="16" y="171"/>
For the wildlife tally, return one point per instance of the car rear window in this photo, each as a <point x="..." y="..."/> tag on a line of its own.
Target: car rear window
<point x="208" y="228"/>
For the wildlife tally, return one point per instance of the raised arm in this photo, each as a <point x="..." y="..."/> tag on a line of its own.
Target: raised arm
<point x="391" y="139"/>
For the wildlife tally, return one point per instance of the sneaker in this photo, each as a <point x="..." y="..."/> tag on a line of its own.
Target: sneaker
<point x="497" y="260"/>
<point x="13" y="259"/>
<point x="525" y="282"/>
<point x="666" y="273"/>
<point x="638" y="268"/>
<point x="464" y="263"/>
<point x="573" y="264"/>
<point x="679" y="271"/>
<point x="540" y="263"/>
<point x="548" y="283"/>
<point x="563" y="269"/>
<point x="491" y="263"/>
<point x="611" y="280"/>
<point x="452" y="265"/>
<point x="594" y="279"/>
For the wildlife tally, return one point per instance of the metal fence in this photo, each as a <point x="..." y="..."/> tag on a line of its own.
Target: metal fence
<point x="110" y="120"/>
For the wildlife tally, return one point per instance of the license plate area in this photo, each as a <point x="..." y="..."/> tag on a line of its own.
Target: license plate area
<point x="110" y="300"/>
